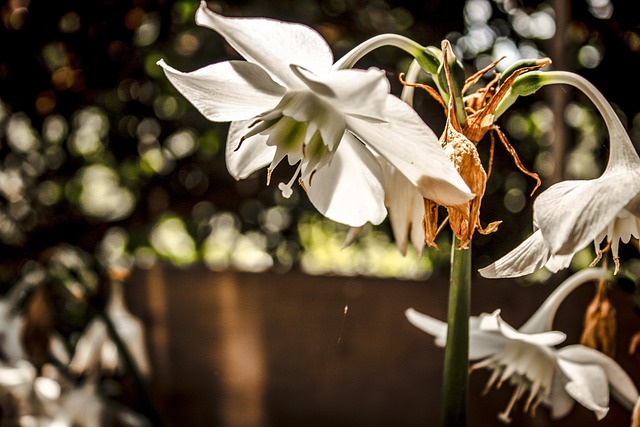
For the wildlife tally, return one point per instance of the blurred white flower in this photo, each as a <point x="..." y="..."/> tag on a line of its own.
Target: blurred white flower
<point x="95" y="351"/>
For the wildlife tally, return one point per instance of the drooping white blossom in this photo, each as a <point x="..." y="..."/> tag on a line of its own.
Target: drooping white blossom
<point x="570" y="215"/>
<point x="527" y="359"/>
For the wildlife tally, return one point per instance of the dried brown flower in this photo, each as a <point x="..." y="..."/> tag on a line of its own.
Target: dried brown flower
<point x="600" y="323"/>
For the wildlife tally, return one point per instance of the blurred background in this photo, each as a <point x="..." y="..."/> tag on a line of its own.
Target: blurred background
<point x="250" y="311"/>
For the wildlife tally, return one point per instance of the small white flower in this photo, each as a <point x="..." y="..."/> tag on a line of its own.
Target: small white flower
<point x="287" y="100"/>
<point x="95" y="351"/>
<point x="571" y="214"/>
<point x="527" y="359"/>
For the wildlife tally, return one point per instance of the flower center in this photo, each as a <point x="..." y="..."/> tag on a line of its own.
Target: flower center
<point x="527" y="367"/>
<point x="303" y="128"/>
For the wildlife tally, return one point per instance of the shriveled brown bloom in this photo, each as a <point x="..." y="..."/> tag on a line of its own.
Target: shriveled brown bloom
<point x="459" y="142"/>
<point x="600" y="323"/>
<point x="634" y="342"/>
<point x="464" y="219"/>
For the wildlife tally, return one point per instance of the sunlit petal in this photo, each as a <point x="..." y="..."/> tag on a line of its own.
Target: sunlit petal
<point x="588" y="386"/>
<point x="247" y="157"/>
<point x="271" y="44"/>
<point x="406" y="208"/>
<point x="494" y="323"/>
<point x="571" y="213"/>
<point x="358" y="92"/>
<point x="622" y="387"/>
<point x="227" y="91"/>
<point x="336" y="189"/>
<point x="528" y="257"/>
<point x="428" y="324"/>
<point x="410" y="146"/>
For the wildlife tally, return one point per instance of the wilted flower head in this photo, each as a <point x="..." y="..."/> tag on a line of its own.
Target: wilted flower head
<point x="415" y="219"/>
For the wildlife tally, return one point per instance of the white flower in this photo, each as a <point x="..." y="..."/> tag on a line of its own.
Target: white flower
<point x="95" y="351"/>
<point x="287" y="100"/>
<point x="402" y="199"/>
<point x="12" y="321"/>
<point x="571" y="214"/>
<point x="404" y="202"/>
<point x="528" y="360"/>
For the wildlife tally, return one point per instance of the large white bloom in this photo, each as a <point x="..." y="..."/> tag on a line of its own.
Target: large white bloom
<point x="571" y="214"/>
<point x="287" y="100"/>
<point x="528" y="360"/>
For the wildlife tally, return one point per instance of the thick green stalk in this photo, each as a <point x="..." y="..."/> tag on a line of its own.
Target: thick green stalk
<point x="455" y="390"/>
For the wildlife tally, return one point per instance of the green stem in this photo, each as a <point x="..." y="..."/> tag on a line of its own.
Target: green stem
<point x="455" y="390"/>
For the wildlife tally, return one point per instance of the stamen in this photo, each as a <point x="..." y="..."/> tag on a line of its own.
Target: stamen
<point x="599" y="253"/>
<point x="254" y="130"/>
<point x="494" y="376"/>
<point x="286" y="189"/>
<point x="269" y="172"/>
<point x="533" y="394"/>
<point x="504" y="416"/>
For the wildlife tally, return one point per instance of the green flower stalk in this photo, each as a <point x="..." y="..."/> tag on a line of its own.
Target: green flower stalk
<point x="455" y="388"/>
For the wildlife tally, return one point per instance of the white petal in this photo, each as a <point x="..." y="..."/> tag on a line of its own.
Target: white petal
<point x="227" y="91"/>
<point x="494" y="323"/>
<point x="428" y="324"/>
<point x="558" y="400"/>
<point x="408" y="144"/>
<point x="571" y="214"/>
<point x="482" y="344"/>
<point x="306" y="106"/>
<point x="588" y="386"/>
<point x="634" y="206"/>
<point x="246" y="158"/>
<point x="349" y="189"/>
<point x="558" y="262"/>
<point x="358" y="92"/>
<point x="528" y="257"/>
<point x="352" y="235"/>
<point x="273" y="45"/>
<point x="406" y="208"/>
<point x="417" y="232"/>
<point x="622" y="387"/>
<point x="86" y="357"/>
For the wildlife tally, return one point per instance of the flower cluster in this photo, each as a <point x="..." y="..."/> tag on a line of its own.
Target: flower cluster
<point x="358" y="150"/>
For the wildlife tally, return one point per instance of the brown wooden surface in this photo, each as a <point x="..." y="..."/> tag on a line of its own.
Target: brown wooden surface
<point x="239" y="349"/>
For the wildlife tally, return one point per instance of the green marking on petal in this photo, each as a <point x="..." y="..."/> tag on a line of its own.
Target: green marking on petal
<point x="316" y="148"/>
